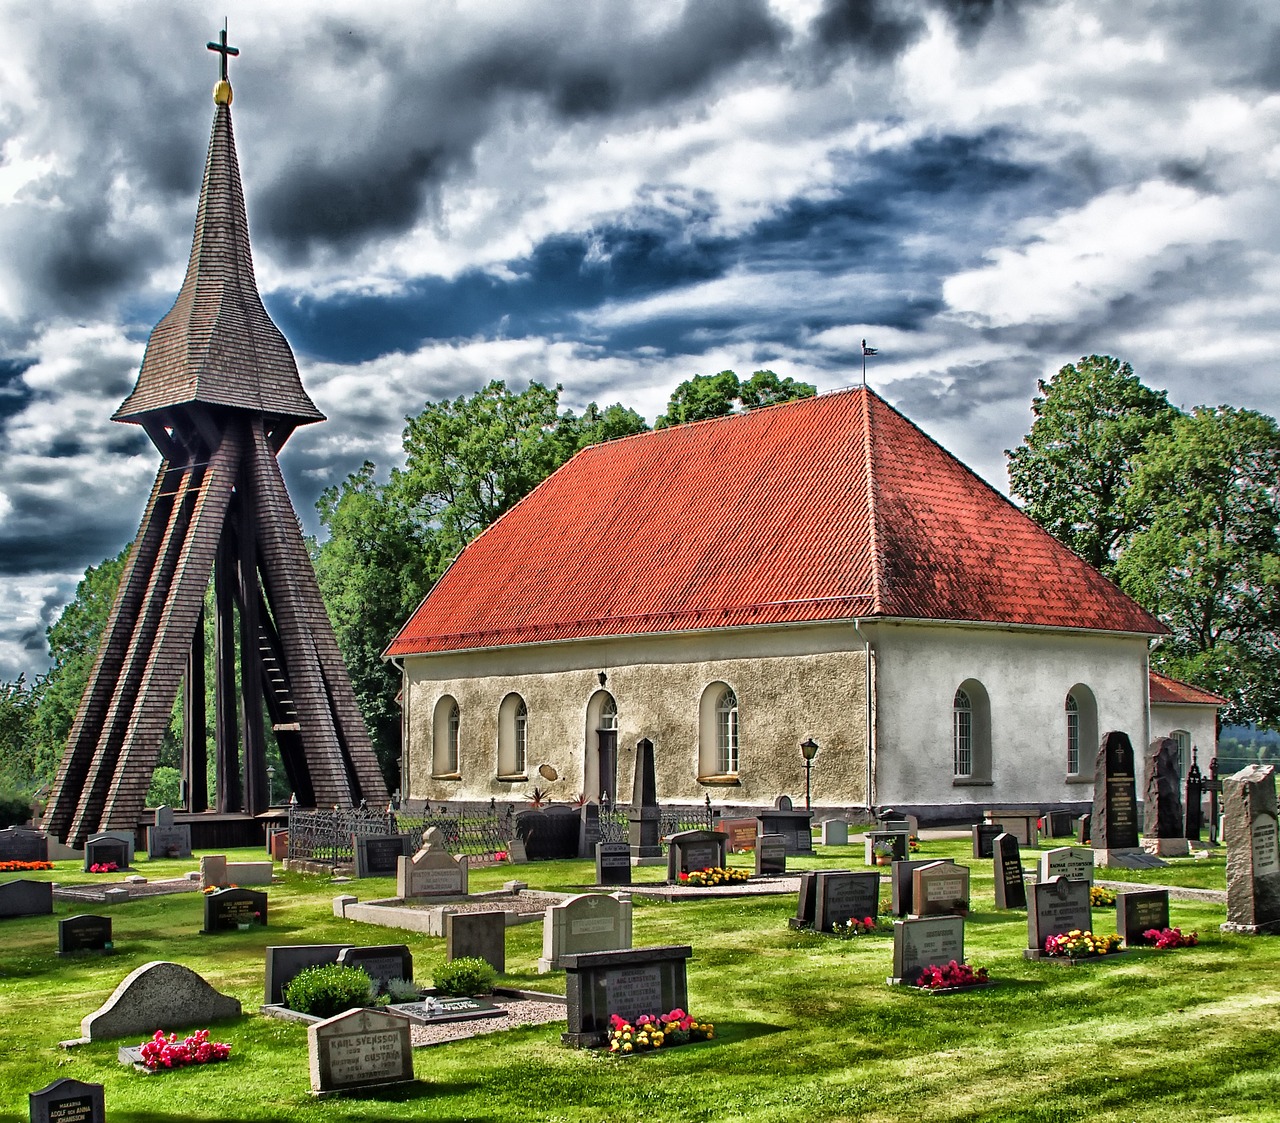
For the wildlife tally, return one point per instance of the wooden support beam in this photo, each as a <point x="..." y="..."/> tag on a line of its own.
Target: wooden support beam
<point x="195" y="736"/>
<point x="226" y="732"/>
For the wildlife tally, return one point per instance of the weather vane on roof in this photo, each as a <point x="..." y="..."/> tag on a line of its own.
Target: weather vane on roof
<point x="222" y="49"/>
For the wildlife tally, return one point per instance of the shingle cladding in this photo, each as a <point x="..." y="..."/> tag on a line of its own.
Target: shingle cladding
<point x="217" y="345"/>
<point x="830" y="508"/>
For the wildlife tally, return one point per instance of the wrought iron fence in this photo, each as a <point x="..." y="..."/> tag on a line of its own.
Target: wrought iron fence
<point x="327" y="835"/>
<point x="615" y="821"/>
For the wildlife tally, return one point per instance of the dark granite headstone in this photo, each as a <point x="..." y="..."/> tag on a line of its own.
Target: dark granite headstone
<point x="984" y="834"/>
<point x="899" y="840"/>
<point x="645" y="833"/>
<point x="379" y="855"/>
<point x="381" y="963"/>
<point x="771" y="855"/>
<point x="1058" y="824"/>
<point x="806" y="904"/>
<point x="782" y="803"/>
<point x="443" y="1009"/>
<point x="1011" y="888"/>
<point x="1115" y="795"/>
<point x="84" y="933"/>
<point x="795" y="828"/>
<point x="598" y="984"/>
<point x="928" y="941"/>
<point x="549" y="832"/>
<point x="17" y="844"/>
<point x="1056" y="907"/>
<point x="1140" y="910"/>
<point x="688" y="851"/>
<point x="588" y="829"/>
<point x="613" y="863"/>
<point x="839" y="897"/>
<point x="359" y="1049"/>
<point x="940" y="889"/>
<point x="26" y="898"/>
<point x="227" y="909"/>
<point x="1162" y="802"/>
<point x="479" y="934"/>
<point x="104" y="849"/>
<point x="285" y="961"/>
<point x="67" y="1101"/>
<point x="1253" y="860"/>
<point x="1084" y="829"/>
<point x="900" y="887"/>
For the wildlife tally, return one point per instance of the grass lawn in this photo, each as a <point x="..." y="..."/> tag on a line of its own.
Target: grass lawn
<point x="806" y="1028"/>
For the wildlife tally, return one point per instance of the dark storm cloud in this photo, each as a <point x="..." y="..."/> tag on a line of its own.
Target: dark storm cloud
<point x="84" y="262"/>
<point x="957" y="391"/>
<point x="875" y="30"/>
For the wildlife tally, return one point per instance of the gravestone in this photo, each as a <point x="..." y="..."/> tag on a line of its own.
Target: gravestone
<point x="1253" y="860"/>
<point x="549" y="832"/>
<point x="479" y="934"/>
<point x="379" y="855"/>
<point x="381" y="962"/>
<point x="645" y="834"/>
<point x="899" y="840"/>
<point x="285" y="961"/>
<point x="213" y="871"/>
<point x="1162" y="825"/>
<point x="688" y="851"/>
<point x="742" y="834"/>
<point x="588" y="830"/>
<point x="1115" y="796"/>
<point x="359" y="1049"/>
<point x="928" y="941"/>
<point x="984" y="834"/>
<point x="432" y="871"/>
<point x="17" y="844"/>
<point x="1019" y="822"/>
<point x="84" y="933"/>
<point x="1056" y="907"/>
<point x="1011" y="886"/>
<point x="940" y="889"/>
<point x="588" y="922"/>
<point x="771" y="855"/>
<point x="902" y="902"/>
<point x="104" y="848"/>
<point x="168" y="839"/>
<point x="806" y="904"/>
<point x="839" y="897"/>
<point x="1058" y="824"/>
<point x="650" y="980"/>
<point x="892" y="821"/>
<point x="1075" y="863"/>
<point x="24" y="897"/>
<point x="795" y="827"/>
<point x="67" y="1101"/>
<point x="227" y="909"/>
<point x="437" y="1009"/>
<point x="834" y="832"/>
<point x="613" y="863"/>
<point x="158" y="995"/>
<point x="1140" y="910"/>
<point x="1084" y="829"/>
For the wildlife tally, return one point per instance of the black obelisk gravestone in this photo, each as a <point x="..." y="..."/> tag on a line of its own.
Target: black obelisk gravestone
<point x="1115" y="796"/>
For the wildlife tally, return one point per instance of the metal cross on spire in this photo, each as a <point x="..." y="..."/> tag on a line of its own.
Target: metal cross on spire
<point x="222" y="49"/>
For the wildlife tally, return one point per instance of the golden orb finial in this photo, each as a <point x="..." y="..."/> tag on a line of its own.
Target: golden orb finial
<point x="222" y="93"/>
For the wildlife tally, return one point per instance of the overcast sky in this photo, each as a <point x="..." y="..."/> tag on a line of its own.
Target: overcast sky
<point x="617" y="195"/>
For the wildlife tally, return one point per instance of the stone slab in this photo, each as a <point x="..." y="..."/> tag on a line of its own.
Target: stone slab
<point x="359" y="1049"/>
<point x="158" y="995"/>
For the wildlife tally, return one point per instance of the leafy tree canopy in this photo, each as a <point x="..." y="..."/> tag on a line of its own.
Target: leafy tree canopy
<point x="718" y="395"/>
<point x="1074" y="469"/>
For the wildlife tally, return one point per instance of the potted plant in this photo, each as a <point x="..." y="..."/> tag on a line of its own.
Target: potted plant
<point x="883" y="852"/>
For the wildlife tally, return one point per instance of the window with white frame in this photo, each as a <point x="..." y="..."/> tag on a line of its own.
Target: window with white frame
<point x="1081" y="713"/>
<point x="513" y="738"/>
<point x="608" y="714"/>
<point x="522" y="736"/>
<point x="444" y="747"/>
<point x="727" y="733"/>
<point x="962" y="734"/>
<point x="1073" y="736"/>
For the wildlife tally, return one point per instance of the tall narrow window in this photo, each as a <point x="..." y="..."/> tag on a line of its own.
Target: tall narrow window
<point x="608" y="714"/>
<point x="513" y="738"/>
<point x="1073" y="736"/>
<point x="444" y="739"/>
<point x="451" y="738"/>
<point x="962" y="734"/>
<point x="522" y="736"/>
<point x="727" y="733"/>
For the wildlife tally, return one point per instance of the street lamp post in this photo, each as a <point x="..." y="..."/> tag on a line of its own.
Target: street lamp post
<point x="271" y="785"/>
<point x="809" y="747"/>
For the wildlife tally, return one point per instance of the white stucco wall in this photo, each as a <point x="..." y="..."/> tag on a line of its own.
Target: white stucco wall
<point x="1201" y="722"/>
<point x="791" y="683"/>
<point x="1026" y="674"/>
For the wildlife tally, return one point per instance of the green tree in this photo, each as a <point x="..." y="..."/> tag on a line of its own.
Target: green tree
<point x="17" y="735"/>
<point x="1208" y="561"/>
<point x="1074" y="469"/>
<point x="717" y="395"/>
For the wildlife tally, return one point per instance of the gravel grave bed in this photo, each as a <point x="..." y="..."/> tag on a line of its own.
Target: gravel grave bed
<point x="98" y="893"/>
<point x="518" y="1012"/>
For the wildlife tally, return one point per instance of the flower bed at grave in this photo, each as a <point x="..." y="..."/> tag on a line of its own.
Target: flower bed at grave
<point x="104" y="867"/>
<point x="951" y="976"/>
<point x="15" y="866"/>
<point x="1100" y="897"/>
<point x="714" y="875"/>
<point x="1080" y="945"/>
<point x="854" y="927"/>
<point x="169" y="1052"/>
<point x="656" y="1031"/>
<point x="1164" y="939"/>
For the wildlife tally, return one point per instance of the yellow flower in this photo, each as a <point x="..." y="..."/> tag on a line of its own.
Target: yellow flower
<point x="627" y="1047"/>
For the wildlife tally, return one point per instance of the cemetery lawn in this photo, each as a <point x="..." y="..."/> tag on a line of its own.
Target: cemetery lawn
<point x="806" y="1028"/>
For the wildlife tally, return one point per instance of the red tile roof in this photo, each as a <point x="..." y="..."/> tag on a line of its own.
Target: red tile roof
<point x="829" y="508"/>
<point x="1166" y="689"/>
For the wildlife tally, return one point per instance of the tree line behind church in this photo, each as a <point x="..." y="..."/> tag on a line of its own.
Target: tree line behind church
<point x="1181" y="509"/>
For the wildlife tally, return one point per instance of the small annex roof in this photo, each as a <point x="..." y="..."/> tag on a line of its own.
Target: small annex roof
<point x="830" y="508"/>
<point x="1169" y="691"/>
<point x="217" y="345"/>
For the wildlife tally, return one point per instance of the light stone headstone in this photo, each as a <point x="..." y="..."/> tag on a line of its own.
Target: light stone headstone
<point x="940" y="889"/>
<point x="360" y="1049"/>
<point x="158" y="995"/>
<point x="1055" y="908"/>
<point x="479" y="934"/>
<point x="432" y="871"/>
<point x="927" y="941"/>
<point x="213" y="871"/>
<point x="1253" y="857"/>
<point x="588" y="922"/>
<point x="1075" y="863"/>
<point x="167" y="839"/>
<point x="835" y="832"/>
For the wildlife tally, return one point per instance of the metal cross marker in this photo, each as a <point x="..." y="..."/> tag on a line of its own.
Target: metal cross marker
<point x="222" y="49"/>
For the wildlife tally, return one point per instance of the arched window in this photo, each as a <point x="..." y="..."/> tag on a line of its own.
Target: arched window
<point x="962" y="734"/>
<point x="1082" y="728"/>
<point x="1073" y="736"/>
<point x="444" y="740"/>
<point x="719" y="736"/>
<point x="608" y="714"/>
<point x="727" y="733"/>
<point x="513" y="738"/>
<point x="971" y="734"/>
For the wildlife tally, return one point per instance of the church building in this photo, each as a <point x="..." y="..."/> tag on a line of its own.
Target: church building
<point x="819" y="570"/>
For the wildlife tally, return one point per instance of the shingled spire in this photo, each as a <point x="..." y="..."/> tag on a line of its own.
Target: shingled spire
<point x="218" y="393"/>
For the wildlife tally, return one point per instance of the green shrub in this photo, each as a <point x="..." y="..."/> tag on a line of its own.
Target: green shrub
<point x="465" y="976"/>
<point x="15" y="808"/>
<point x="328" y="990"/>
